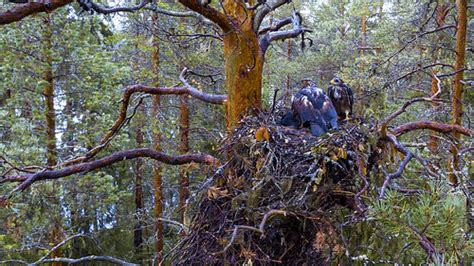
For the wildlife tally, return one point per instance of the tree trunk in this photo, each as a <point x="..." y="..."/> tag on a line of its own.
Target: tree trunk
<point x="138" y="230"/>
<point x="157" y="176"/>
<point x="457" y="94"/>
<point x="243" y="64"/>
<point x="441" y="12"/>
<point x="183" y="149"/>
<point x="288" y="89"/>
<point x="50" y="122"/>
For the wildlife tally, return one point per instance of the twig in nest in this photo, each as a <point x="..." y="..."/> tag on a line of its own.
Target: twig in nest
<point x="260" y="229"/>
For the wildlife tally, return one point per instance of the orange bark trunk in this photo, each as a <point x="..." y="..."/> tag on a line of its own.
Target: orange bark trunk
<point x="183" y="149"/>
<point x="157" y="176"/>
<point x="458" y="92"/>
<point x="441" y="12"/>
<point x="243" y="64"/>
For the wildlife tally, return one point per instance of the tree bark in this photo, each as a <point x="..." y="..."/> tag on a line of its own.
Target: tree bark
<point x="243" y="64"/>
<point x="458" y="92"/>
<point x="157" y="171"/>
<point x="441" y="12"/>
<point x="183" y="149"/>
<point x="139" y="211"/>
<point x="50" y="122"/>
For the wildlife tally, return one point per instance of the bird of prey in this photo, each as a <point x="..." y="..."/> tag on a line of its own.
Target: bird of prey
<point x="342" y="97"/>
<point x="311" y="108"/>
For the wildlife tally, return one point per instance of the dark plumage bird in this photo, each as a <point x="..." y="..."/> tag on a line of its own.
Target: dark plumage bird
<point x="342" y="97"/>
<point x="310" y="107"/>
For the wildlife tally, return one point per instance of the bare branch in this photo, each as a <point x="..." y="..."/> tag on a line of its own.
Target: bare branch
<point x="209" y="98"/>
<point x="62" y="243"/>
<point x="271" y="36"/>
<point x="29" y="179"/>
<point x="396" y="174"/>
<point x="108" y="10"/>
<point x="278" y="24"/>
<point x="264" y="9"/>
<point x="439" y="127"/>
<point x="86" y="259"/>
<point x="416" y="38"/>
<point x="21" y="11"/>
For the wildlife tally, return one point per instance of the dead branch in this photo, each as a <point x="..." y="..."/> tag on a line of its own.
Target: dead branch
<point x="276" y="25"/>
<point x="439" y="127"/>
<point x="86" y="259"/>
<point x="101" y="9"/>
<point x="396" y="174"/>
<point x="260" y="229"/>
<point x="29" y="179"/>
<point x="62" y="243"/>
<point x="271" y="36"/>
<point x="264" y="9"/>
<point x="416" y="38"/>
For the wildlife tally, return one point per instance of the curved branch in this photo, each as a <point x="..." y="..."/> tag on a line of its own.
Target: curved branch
<point x="439" y="127"/>
<point x="208" y="12"/>
<point x="264" y="9"/>
<point x="278" y="24"/>
<point x="21" y="11"/>
<point x="188" y="90"/>
<point x="62" y="243"/>
<point x="271" y="36"/>
<point x="29" y="179"/>
<point x="108" y="10"/>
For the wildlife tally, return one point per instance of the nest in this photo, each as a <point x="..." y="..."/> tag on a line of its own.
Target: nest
<point x="275" y="199"/>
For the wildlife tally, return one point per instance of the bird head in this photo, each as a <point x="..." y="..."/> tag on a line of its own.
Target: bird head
<point x="336" y="81"/>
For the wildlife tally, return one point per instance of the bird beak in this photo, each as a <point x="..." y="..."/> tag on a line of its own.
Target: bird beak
<point x="333" y="82"/>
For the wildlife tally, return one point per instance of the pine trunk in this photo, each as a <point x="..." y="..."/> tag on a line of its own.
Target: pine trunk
<point x="243" y="65"/>
<point x="183" y="149"/>
<point x="157" y="176"/>
<point x="458" y="92"/>
<point x="138" y="230"/>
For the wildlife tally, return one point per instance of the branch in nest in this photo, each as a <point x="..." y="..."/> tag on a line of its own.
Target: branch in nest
<point x="260" y="229"/>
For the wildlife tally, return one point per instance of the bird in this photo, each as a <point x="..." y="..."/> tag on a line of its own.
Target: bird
<point x="342" y="97"/>
<point x="310" y="107"/>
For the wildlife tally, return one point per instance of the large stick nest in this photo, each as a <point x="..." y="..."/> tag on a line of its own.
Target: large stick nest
<point x="278" y="197"/>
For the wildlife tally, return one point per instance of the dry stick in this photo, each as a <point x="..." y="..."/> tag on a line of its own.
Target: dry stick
<point x="396" y="174"/>
<point x="260" y="229"/>
<point x="62" y="243"/>
<point x="88" y="258"/>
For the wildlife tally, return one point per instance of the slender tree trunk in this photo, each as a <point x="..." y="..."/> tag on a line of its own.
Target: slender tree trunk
<point x="243" y="64"/>
<point x="183" y="148"/>
<point x="441" y="12"/>
<point x="138" y="230"/>
<point x="458" y="92"/>
<point x="157" y="171"/>
<point x="50" y="122"/>
<point x="288" y="57"/>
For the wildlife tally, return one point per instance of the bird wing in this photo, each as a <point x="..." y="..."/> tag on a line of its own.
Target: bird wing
<point x="350" y="95"/>
<point x="303" y="107"/>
